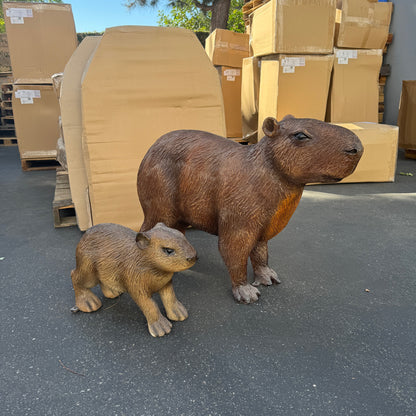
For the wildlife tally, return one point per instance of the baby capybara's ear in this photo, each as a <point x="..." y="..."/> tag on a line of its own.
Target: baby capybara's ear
<point x="143" y="240"/>
<point x="270" y="127"/>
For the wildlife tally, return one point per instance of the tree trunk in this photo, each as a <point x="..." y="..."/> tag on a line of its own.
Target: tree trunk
<point x="219" y="16"/>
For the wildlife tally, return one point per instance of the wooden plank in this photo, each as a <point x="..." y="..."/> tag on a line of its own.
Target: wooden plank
<point x="10" y="141"/>
<point x="63" y="207"/>
<point x="410" y="153"/>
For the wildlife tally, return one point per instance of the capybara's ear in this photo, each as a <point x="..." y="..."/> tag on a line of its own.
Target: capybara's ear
<point x="287" y="117"/>
<point x="270" y="127"/>
<point x="143" y="240"/>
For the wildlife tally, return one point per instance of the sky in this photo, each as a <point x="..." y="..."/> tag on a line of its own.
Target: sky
<point x="97" y="15"/>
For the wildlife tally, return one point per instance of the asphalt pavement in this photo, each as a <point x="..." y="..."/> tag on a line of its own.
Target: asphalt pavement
<point x="336" y="337"/>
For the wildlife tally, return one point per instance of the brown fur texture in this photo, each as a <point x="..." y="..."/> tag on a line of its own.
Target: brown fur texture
<point x="244" y="194"/>
<point x="121" y="260"/>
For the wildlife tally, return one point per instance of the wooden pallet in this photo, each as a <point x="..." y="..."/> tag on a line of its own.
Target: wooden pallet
<point x="63" y="208"/>
<point x="8" y="141"/>
<point x="250" y="6"/>
<point x="39" y="164"/>
<point x="410" y="153"/>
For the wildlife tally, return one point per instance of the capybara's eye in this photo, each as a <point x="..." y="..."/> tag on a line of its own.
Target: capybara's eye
<point x="168" y="251"/>
<point x="301" y="136"/>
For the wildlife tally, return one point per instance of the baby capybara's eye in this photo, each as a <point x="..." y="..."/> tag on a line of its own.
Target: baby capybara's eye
<point x="168" y="251"/>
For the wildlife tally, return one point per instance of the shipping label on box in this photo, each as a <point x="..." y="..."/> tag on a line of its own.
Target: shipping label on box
<point x="363" y="24"/>
<point x="276" y="27"/>
<point x="296" y="85"/>
<point x="354" y="93"/>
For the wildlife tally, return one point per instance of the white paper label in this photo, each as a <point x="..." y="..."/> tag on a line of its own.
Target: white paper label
<point x="26" y="100"/>
<point x="347" y="53"/>
<point x="298" y="61"/>
<point x="27" y="94"/>
<point x="343" y="61"/>
<point x="289" y="69"/>
<point x="230" y="78"/>
<point x="19" y="12"/>
<point x="232" y="72"/>
<point x="17" y="20"/>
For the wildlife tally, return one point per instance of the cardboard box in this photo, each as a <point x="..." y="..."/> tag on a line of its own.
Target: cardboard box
<point x="250" y="86"/>
<point x="227" y="48"/>
<point x="354" y="93"/>
<point x="293" y="26"/>
<point x="36" y="115"/>
<point x="41" y="37"/>
<point x="407" y="119"/>
<point x="71" y="115"/>
<point x="296" y="85"/>
<point x="378" y="163"/>
<point x="363" y="24"/>
<point x="231" y="93"/>
<point x="158" y="81"/>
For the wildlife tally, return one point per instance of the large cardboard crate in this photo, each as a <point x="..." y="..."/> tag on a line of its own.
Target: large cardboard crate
<point x="71" y="115"/>
<point x="231" y="93"/>
<point x="293" y="27"/>
<point x="227" y="48"/>
<point x="41" y="38"/>
<point x="378" y="163"/>
<point x="354" y="93"/>
<point x="407" y="116"/>
<point x="363" y="24"/>
<point x="250" y="86"/>
<point x="142" y="82"/>
<point x="36" y="114"/>
<point x="296" y="85"/>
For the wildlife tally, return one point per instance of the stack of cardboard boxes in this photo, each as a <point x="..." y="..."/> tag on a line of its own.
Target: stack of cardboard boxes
<point x="361" y="34"/>
<point x="321" y="59"/>
<point x="227" y="51"/>
<point x="41" y="39"/>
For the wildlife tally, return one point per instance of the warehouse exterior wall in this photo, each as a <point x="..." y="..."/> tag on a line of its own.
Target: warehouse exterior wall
<point x="401" y="55"/>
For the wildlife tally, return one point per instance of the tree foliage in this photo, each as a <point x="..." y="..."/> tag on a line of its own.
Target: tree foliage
<point x="189" y="16"/>
<point x="2" y="26"/>
<point x="198" y="14"/>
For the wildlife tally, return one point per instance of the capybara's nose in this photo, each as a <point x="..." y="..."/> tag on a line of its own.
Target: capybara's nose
<point x="192" y="259"/>
<point x="355" y="148"/>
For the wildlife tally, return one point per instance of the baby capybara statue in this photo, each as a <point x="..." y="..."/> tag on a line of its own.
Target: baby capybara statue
<point x="244" y="194"/>
<point x="121" y="260"/>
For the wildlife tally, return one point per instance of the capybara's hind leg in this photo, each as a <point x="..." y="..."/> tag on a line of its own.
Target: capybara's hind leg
<point x="85" y="299"/>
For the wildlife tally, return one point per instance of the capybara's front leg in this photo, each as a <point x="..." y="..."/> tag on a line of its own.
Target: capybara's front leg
<point x="85" y="300"/>
<point x="263" y="274"/>
<point x="235" y="253"/>
<point x="174" y="309"/>
<point x="157" y="324"/>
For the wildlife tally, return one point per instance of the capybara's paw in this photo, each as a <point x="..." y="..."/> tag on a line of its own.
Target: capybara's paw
<point x="265" y="276"/>
<point x="87" y="301"/>
<point x="159" y="328"/>
<point x="246" y="293"/>
<point x="177" y="312"/>
<point x="110" y="293"/>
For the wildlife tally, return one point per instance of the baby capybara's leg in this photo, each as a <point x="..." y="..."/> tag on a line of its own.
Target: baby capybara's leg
<point x="235" y="251"/>
<point x="85" y="299"/>
<point x="263" y="274"/>
<point x="157" y="324"/>
<point x="174" y="309"/>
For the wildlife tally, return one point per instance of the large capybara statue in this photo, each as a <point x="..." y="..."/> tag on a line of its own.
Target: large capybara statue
<point x="244" y="194"/>
<point x="121" y="260"/>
